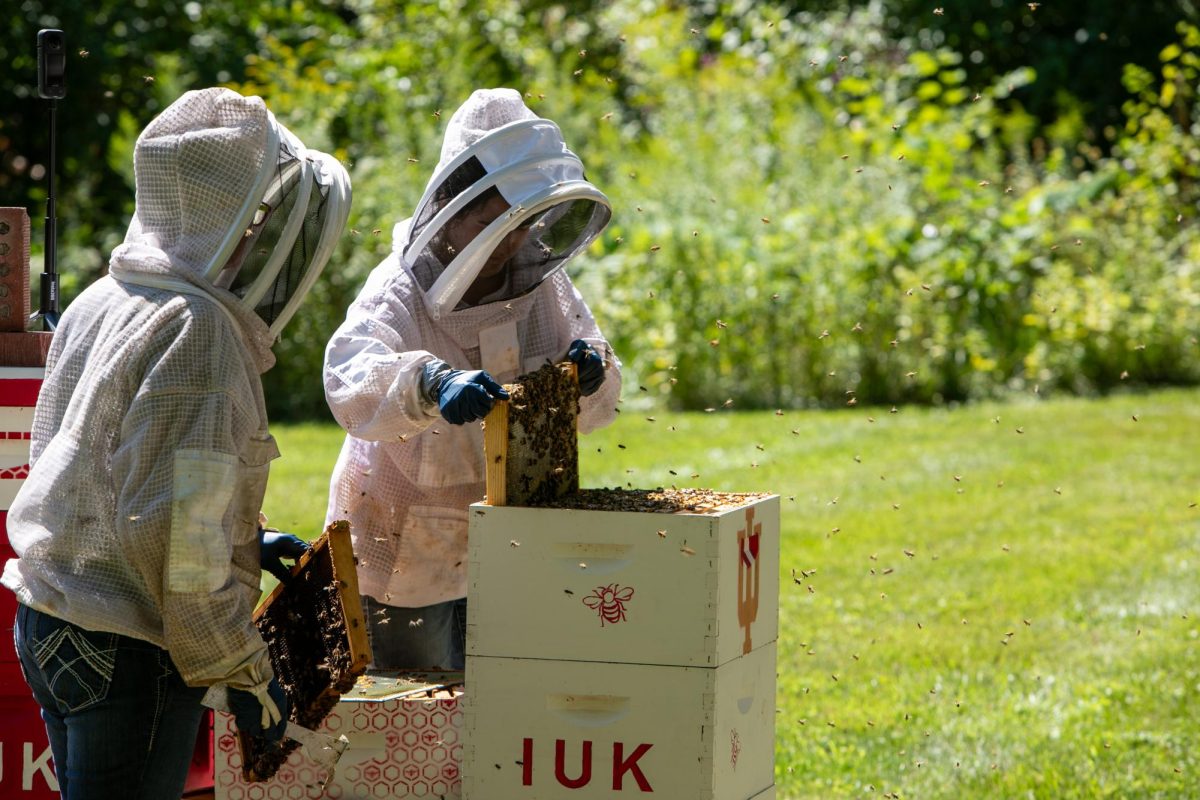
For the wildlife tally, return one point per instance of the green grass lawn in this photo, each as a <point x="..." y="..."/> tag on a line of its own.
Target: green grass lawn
<point x="1002" y="600"/>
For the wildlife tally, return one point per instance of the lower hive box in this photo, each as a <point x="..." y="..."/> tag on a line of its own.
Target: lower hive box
<point x="547" y="730"/>
<point x="405" y="741"/>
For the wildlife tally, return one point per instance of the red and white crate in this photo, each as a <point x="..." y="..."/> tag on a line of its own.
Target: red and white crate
<point x="403" y="745"/>
<point x="26" y="767"/>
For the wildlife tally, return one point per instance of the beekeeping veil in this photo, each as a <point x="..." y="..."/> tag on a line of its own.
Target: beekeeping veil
<point x="227" y="197"/>
<point x="495" y="144"/>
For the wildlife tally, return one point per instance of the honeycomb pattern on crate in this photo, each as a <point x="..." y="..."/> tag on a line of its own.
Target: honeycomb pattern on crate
<point x="422" y="757"/>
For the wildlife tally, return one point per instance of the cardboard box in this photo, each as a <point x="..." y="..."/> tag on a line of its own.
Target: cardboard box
<point x="547" y="730"/>
<point x="678" y="589"/>
<point x="403" y="743"/>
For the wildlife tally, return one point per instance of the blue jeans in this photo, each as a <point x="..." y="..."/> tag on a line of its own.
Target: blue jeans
<point x="121" y="722"/>
<point x="428" y="638"/>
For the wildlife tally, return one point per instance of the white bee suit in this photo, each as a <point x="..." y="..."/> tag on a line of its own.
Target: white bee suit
<point x="405" y="476"/>
<point x="150" y="447"/>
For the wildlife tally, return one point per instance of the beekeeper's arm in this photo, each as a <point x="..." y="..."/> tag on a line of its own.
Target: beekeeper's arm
<point x="600" y="407"/>
<point x="381" y="385"/>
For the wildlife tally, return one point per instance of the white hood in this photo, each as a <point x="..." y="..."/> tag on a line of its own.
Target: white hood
<point x="495" y="147"/>
<point x="204" y="168"/>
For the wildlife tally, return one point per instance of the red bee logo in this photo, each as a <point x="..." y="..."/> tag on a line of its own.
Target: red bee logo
<point x="609" y="602"/>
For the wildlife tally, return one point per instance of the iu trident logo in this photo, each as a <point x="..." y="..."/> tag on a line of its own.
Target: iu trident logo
<point x="748" y="539"/>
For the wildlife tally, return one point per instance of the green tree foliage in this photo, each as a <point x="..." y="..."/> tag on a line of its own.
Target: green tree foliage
<point x="810" y="207"/>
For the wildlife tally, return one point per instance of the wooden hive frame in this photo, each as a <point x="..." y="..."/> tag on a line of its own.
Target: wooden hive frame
<point x="317" y="637"/>
<point x="517" y="473"/>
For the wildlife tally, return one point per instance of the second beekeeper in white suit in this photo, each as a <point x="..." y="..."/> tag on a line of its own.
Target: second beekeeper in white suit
<point x="472" y="295"/>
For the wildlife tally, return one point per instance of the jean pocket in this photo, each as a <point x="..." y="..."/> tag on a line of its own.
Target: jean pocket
<point x="75" y="665"/>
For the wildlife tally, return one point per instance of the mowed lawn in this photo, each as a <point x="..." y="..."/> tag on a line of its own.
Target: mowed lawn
<point x="1000" y="600"/>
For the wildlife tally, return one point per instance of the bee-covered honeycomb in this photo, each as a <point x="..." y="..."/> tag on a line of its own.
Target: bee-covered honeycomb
<point x="308" y="626"/>
<point x="662" y="501"/>
<point x="543" y="447"/>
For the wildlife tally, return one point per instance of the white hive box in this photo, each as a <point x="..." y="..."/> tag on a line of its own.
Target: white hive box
<point x="614" y="653"/>
<point x="402" y="744"/>
<point x="547" y="730"/>
<point x="673" y="589"/>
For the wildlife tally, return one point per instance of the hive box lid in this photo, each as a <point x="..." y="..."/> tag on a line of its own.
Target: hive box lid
<point x="682" y="589"/>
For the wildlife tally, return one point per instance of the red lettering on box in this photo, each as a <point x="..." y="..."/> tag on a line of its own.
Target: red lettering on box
<point x="560" y="757"/>
<point x="622" y="765"/>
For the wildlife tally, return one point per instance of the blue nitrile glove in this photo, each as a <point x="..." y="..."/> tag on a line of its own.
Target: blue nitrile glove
<point x="275" y="545"/>
<point x="265" y="717"/>
<point x="591" y="366"/>
<point x="465" y="396"/>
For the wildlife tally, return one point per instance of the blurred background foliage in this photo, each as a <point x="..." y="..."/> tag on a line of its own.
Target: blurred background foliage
<point x="816" y="203"/>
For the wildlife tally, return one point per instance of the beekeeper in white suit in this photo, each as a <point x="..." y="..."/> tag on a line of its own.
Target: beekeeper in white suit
<point x="137" y="530"/>
<point x="472" y="295"/>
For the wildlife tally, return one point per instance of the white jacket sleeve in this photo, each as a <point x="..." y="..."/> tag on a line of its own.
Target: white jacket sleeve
<point x="373" y="365"/>
<point x="600" y="408"/>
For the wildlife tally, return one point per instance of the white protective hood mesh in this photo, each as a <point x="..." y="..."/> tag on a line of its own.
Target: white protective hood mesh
<point x="507" y="206"/>
<point x="230" y="201"/>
